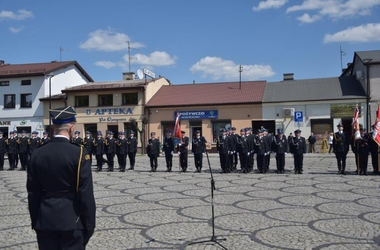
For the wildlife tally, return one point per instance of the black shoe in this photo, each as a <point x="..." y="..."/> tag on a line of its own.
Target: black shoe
<point x="110" y="170"/>
<point x="11" y="169"/>
<point x="22" y="169"/>
<point x="131" y="168"/>
<point x="343" y="173"/>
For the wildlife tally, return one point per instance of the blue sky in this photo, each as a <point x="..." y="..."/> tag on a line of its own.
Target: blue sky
<point x="185" y="41"/>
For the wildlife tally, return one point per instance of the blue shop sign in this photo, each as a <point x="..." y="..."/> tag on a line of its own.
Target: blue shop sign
<point x="197" y="114"/>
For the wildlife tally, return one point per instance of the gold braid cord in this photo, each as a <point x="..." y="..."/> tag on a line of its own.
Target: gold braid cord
<point x="79" y="164"/>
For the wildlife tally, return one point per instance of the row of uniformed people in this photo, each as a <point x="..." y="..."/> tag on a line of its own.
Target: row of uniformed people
<point x="231" y="146"/>
<point x="121" y="146"/>
<point x="19" y="148"/>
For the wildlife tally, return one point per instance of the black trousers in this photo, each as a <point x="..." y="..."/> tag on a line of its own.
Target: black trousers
<point x="198" y="160"/>
<point x="341" y="160"/>
<point x="56" y="240"/>
<point x="23" y="160"/>
<point x="223" y="157"/>
<point x="375" y="162"/>
<point x="153" y="161"/>
<point x="11" y="159"/>
<point x="110" y="160"/>
<point x="298" y="162"/>
<point x="1" y="161"/>
<point x="122" y="158"/>
<point x="132" y="158"/>
<point x="243" y="161"/>
<point x="99" y="161"/>
<point x="183" y="160"/>
<point x="363" y="160"/>
<point x="280" y="162"/>
<point x="169" y="159"/>
<point x="260" y="163"/>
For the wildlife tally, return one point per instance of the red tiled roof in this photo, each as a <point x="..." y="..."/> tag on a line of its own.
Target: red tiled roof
<point x="37" y="69"/>
<point x="208" y="94"/>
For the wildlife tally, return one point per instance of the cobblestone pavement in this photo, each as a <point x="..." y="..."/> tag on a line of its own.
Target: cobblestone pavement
<point x="143" y="210"/>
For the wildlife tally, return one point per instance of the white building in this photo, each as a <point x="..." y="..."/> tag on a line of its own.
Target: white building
<point x="22" y="85"/>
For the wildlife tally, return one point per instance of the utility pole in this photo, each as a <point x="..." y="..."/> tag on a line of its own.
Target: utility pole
<point x="129" y="56"/>
<point x="240" y="70"/>
<point x="342" y="53"/>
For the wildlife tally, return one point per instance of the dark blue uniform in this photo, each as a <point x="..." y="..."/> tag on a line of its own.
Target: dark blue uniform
<point x="280" y="147"/>
<point x="183" y="152"/>
<point x="122" y="152"/>
<point x="132" y="150"/>
<point x="298" y="149"/>
<point x="198" y="148"/>
<point x="153" y="149"/>
<point x="341" y="144"/>
<point x="168" y="150"/>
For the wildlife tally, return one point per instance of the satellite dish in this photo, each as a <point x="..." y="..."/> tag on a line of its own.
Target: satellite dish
<point x="140" y="74"/>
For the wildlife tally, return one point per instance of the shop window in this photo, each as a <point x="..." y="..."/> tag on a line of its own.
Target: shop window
<point x="105" y="100"/>
<point x="216" y="126"/>
<point x="130" y="99"/>
<point x="92" y="127"/>
<point x="26" y="82"/>
<point x="82" y="101"/>
<point x="26" y="100"/>
<point x="9" y="101"/>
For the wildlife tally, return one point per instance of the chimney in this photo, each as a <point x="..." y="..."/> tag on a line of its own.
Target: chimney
<point x="288" y="76"/>
<point x="2" y="62"/>
<point x="128" y="76"/>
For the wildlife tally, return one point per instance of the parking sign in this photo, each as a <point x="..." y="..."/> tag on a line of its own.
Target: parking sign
<point x="298" y="116"/>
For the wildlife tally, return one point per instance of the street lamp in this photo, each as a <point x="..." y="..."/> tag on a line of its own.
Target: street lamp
<point x="367" y="64"/>
<point x="50" y="77"/>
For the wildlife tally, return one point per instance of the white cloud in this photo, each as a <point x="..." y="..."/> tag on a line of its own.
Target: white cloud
<point x="363" y="33"/>
<point x="270" y="4"/>
<point x="20" y="15"/>
<point x="218" y="68"/>
<point x="306" y="18"/>
<point x="105" y="64"/>
<point x="157" y="58"/>
<point x="333" y="9"/>
<point x="108" y="40"/>
<point x="16" y="30"/>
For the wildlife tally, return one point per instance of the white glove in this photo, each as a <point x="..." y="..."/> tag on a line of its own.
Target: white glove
<point x="234" y="152"/>
<point x="237" y="153"/>
<point x="179" y="153"/>
<point x="286" y="153"/>
<point x="275" y="154"/>
<point x="248" y="153"/>
<point x="172" y="152"/>
<point x="203" y="153"/>
<point x="265" y="154"/>
<point x="229" y="152"/>
<point x="179" y="144"/>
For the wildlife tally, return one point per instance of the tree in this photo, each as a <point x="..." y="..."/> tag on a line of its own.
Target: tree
<point x="134" y="126"/>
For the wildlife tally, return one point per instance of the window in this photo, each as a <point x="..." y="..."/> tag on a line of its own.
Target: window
<point x="81" y="101"/>
<point x="216" y="126"/>
<point x="4" y="83"/>
<point x="9" y="101"/>
<point x="26" y="82"/>
<point x="105" y="100"/>
<point x="130" y="98"/>
<point x="26" y="100"/>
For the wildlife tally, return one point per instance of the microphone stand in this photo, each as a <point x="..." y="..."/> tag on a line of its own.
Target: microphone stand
<point x="214" y="238"/>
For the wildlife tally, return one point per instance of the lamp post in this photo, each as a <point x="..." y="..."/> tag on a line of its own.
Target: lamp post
<point x="368" y="99"/>
<point x="50" y="77"/>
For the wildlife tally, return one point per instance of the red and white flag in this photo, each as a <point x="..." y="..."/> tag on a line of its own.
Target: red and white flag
<point x="376" y="129"/>
<point x="177" y="126"/>
<point x="355" y="123"/>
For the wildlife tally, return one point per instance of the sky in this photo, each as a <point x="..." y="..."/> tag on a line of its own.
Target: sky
<point x="197" y="41"/>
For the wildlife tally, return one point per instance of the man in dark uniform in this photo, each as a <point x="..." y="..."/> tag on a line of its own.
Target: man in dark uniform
<point x="341" y="146"/>
<point x="233" y="150"/>
<point x="45" y="138"/>
<point x="261" y="148"/>
<point x="122" y="149"/>
<point x="60" y="189"/>
<point x="198" y="148"/>
<point x="99" y="150"/>
<point x="110" y="149"/>
<point x="23" y="150"/>
<point x="77" y="139"/>
<point x="11" y="150"/>
<point x="88" y="143"/>
<point x="243" y="151"/>
<point x="362" y="150"/>
<point x="168" y="149"/>
<point x="251" y="153"/>
<point x="280" y="147"/>
<point x="269" y="138"/>
<point x="33" y="143"/>
<point x="298" y="149"/>
<point x="132" y="149"/>
<point x="153" y="149"/>
<point x="374" y="149"/>
<point x="3" y="149"/>
<point x="222" y="146"/>
<point x="16" y="155"/>
<point x="182" y="151"/>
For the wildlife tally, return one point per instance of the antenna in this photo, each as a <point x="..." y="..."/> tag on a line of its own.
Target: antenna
<point x="240" y="70"/>
<point x="342" y="53"/>
<point x="129" y="56"/>
<point x="60" y="52"/>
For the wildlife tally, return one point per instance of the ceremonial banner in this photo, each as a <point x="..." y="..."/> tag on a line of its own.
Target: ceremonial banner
<point x="177" y="127"/>
<point x="355" y="123"/>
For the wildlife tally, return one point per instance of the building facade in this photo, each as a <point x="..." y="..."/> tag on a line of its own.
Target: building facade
<point x="22" y="86"/>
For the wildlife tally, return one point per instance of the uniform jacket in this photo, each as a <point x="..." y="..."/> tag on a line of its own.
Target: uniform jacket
<point x="44" y="140"/>
<point x="341" y="143"/>
<point x="12" y="146"/>
<point x="198" y="145"/>
<point x="168" y="145"/>
<point x="53" y="170"/>
<point x="298" y="145"/>
<point x="242" y="144"/>
<point x="232" y="140"/>
<point x="153" y="148"/>
<point x="184" y="143"/>
<point x="23" y="145"/>
<point x="99" y="146"/>
<point x="88" y="143"/>
<point x="261" y="145"/>
<point x="222" y="145"/>
<point x="33" y="144"/>
<point x="122" y="146"/>
<point x="280" y="145"/>
<point x="132" y="144"/>
<point x="361" y="145"/>
<point x="3" y="146"/>
<point x="110" y="145"/>
<point x="78" y="140"/>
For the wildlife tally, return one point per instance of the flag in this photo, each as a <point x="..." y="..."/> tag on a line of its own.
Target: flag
<point x="177" y="126"/>
<point x="355" y="123"/>
<point x="376" y="129"/>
